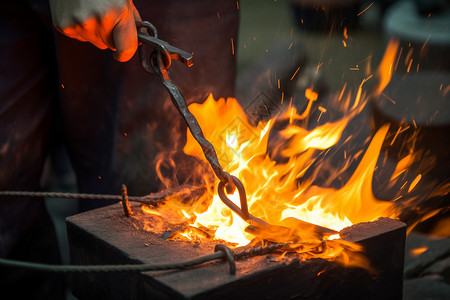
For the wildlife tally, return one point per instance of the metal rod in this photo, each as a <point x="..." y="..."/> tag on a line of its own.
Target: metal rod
<point x="125" y="203"/>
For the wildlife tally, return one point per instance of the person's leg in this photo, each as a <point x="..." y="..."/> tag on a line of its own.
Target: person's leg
<point x="88" y="88"/>
<point x="26" y="107"/>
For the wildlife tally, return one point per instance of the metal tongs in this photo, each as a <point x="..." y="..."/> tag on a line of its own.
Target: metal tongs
<point x="158" y="62"/>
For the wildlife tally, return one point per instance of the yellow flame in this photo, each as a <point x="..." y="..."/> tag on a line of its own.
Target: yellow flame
<point x="275" y="176"/>
<point x="272" y="187"/>
<point x="386" y="67"/>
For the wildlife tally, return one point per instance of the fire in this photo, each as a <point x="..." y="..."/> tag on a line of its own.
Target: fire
<point x="417" y="251"/>
<point x="277" y="162"/>
<point x="273" y="189"/>
<point x="386" y="68"/>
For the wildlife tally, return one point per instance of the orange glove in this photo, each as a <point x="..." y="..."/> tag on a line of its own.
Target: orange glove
<point x="104" y="23"/>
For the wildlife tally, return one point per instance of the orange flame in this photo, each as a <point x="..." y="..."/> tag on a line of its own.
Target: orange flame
<point x="417" y="251"/>
<point x="273" y="172"/>
<point x="386" y="67"/>
<point x="272" y="188"/>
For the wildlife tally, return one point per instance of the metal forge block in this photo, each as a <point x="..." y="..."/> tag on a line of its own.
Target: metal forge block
<point x="106" y="236"/>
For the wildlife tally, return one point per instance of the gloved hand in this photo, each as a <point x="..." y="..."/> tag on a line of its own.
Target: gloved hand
<point x="104" y="23"/>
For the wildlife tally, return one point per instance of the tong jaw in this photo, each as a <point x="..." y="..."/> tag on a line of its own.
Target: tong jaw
<point x="168" y="51"/>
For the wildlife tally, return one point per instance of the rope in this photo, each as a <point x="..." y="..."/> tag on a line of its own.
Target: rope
<point x="65" y="195"/>
<point x="109" y="268"/>
<point x="219" y="254"/>
<point x="148" y="199"/>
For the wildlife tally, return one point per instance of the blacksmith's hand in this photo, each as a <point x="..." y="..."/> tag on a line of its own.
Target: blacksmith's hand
<point x="104" y="23"/>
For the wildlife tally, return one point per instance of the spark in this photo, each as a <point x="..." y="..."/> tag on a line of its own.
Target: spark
<point x="404" y="129"/>
<point x="237" y="5"/>
<point x="424" y="44"/>
<point x="344" y="43"/>
<point x="414" y="182"/>
<point x="365" y="9"/>
<point x="218" y="15"/>
<point x="318" y="67"/>
<point x="397" y="198"/>
<point x="395" y="136"/>
<point x="290" y="46"/>
<point x="296" y="71"/>
<point x="404" y="185"/>
<point x="232" y="46"/>
<point x="409" y="65"/>
<point x="389" y="98"/>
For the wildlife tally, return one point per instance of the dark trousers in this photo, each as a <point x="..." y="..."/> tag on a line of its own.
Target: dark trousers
<point x="113" y="118"/>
